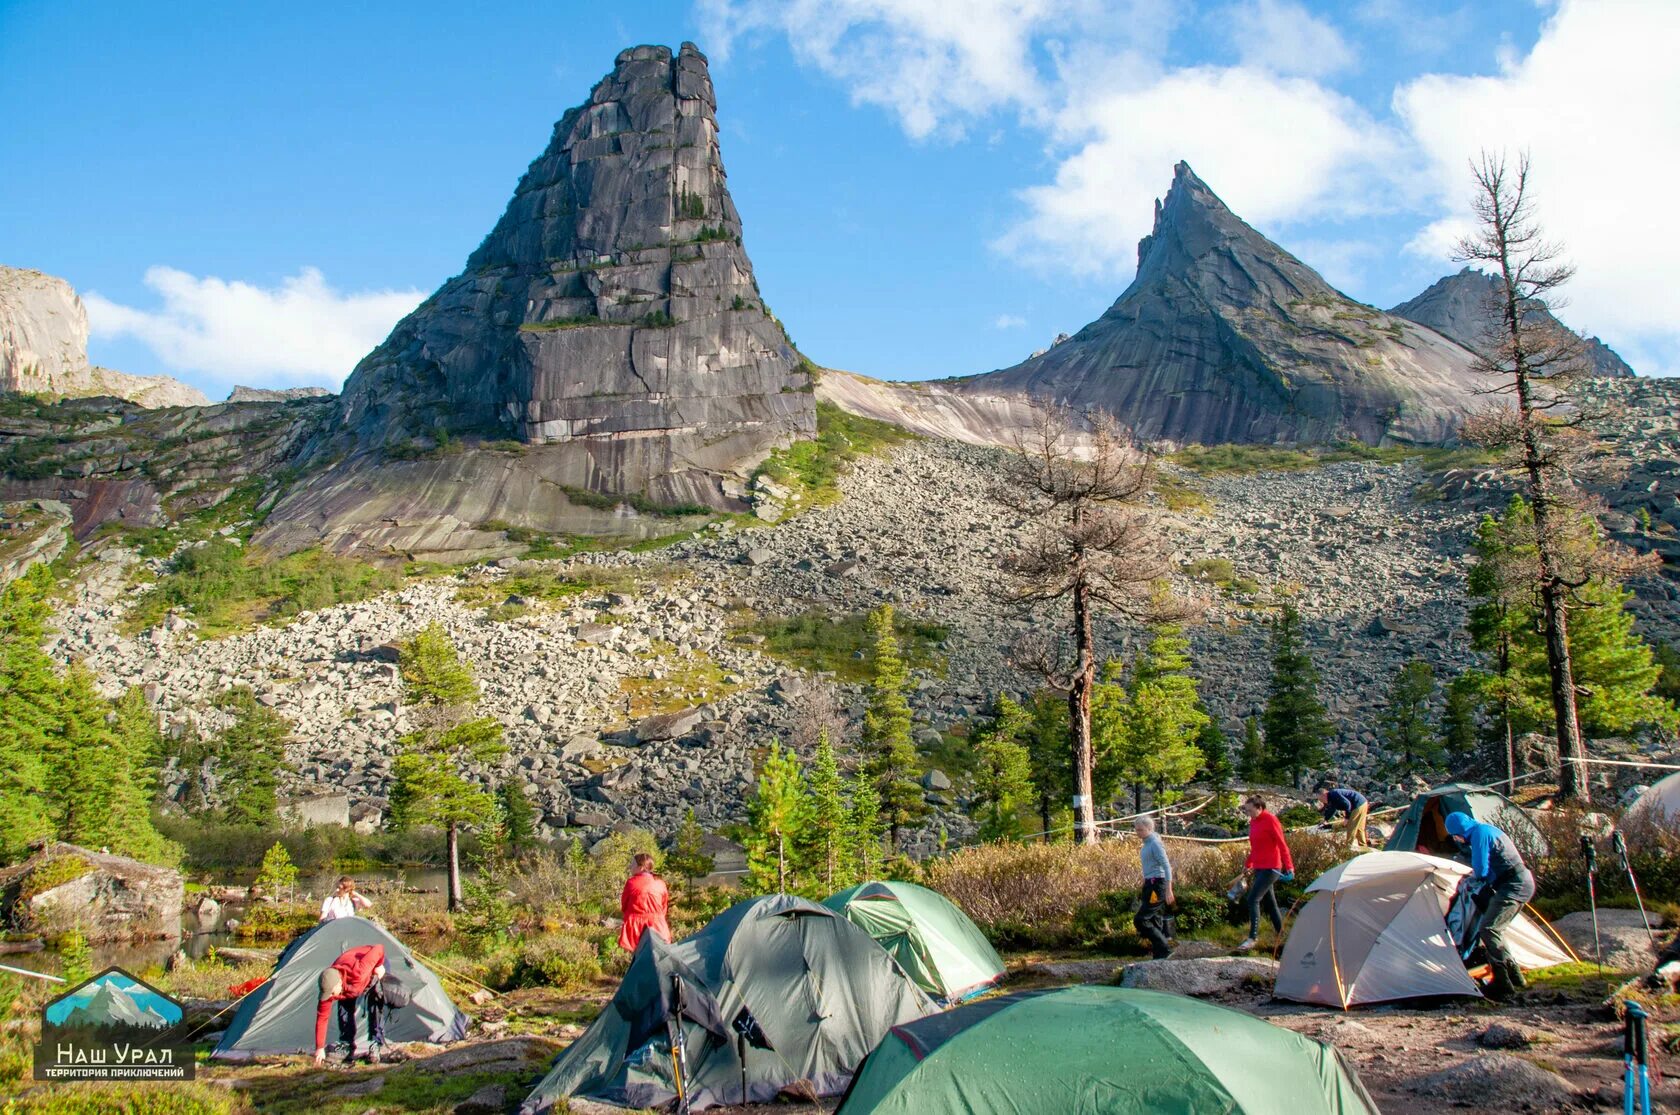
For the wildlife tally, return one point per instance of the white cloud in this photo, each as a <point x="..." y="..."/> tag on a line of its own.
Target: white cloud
<point x="302" y="331"/>
<point x="1009" y="321"/>
<point x="1285" y="38"/>
<point x="1274" y="148"/>
<point x="1597" y="105"/>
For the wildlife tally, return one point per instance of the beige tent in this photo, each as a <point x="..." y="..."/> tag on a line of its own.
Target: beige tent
<point x="1375" y="929"/>
<point x="1660" y="803"/>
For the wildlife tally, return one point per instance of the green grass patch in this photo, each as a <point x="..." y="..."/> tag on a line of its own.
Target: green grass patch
<point x="228" y="588"/>
<point x="1176" y="495"/>
<point x="582" y="322"/>
<point x="675" y="681"/>
<point x="819" y="641"/>
<point x="811" y="470"/>
<point x="1210" y="460"/>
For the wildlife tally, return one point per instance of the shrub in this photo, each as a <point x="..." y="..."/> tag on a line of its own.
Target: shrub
<point x="840" y="644"/>
<point x="54" y="872"/>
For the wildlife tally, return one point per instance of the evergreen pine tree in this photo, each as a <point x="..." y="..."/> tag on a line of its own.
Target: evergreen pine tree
<point x="1297" y="728"/>
<point x="886" y="729"/>
<point x="518" y="830"/>
<point x="1216" y="756"/>
<point x="864" y="832"/>
<point x="779" y="818"/>
<point x="139" y="745"/>
<point x="1254" y="764"/>
<point x="429" y="788"/>
<point x="1048" y="756"/>
<point x="688" y="859"/>
<point x="1003" y="772"/>
<point x="278" y="874"/>
<point x="1163" y="715"/>
<point x="1116" y="758"/>
<point x="1459" y="721"/>
<point x="827" y="830"/>
<point x="84" y="763"/>
<point x="29" y="698"/>
<point x="250" y="753"/>
<point x="1407" y="728"/>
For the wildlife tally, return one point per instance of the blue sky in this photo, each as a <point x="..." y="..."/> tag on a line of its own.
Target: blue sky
<point x="254" y="195"/>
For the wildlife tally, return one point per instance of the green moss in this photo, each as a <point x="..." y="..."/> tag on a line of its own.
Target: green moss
<point x="811" y="470"/>
<point x="1241" y="459"/>
<point x="54" y="872"/>
<point x="840" y="644"/>
<point x="559" y="323"/>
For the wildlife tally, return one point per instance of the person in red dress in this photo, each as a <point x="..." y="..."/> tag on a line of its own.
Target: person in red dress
<point x="643" y="903"/>
<point x="1268" y="863"/>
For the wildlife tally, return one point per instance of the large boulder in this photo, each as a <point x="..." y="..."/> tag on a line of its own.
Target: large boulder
<point x="1621" y="933"/>
<point x="1201" y="976"/>
<point x="1496" y="1082"/>
<point x="108" y="898"/>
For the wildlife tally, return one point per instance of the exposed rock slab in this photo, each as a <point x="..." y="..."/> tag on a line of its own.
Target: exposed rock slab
<point x="610" y="324"/>
<point x="37" y="531"/>
<point x="43" y="347"/>
<point x="1497" y="1082"/>
<point x="1223" y="336"/>
<point x="1621" y="934"/>
<point x="113" y="899"/>
<point x="1212" y="975"/>
<point x="1463" y="307"/>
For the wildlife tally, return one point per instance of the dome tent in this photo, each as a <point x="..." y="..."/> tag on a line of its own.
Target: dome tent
<point x="813" y="992"/>
<point x="1423" y="826"/>
<point x="1376" y="928"/>
<point x="1101" y="1051"/>
<point x="933" y="941"/>
<point x="1659" y="804"/>
<point x="279" y="1017"/>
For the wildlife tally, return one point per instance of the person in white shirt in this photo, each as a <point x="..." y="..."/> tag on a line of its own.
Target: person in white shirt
<point x="345" y="902"/>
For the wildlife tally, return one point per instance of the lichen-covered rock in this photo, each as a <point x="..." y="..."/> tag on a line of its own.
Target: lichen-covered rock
<point x="108" y="898"/>
<point x="1223" y="336"/>
<point x="1497" y="1082"/>
<point x="43" y="347"/>
<point x="1462" y="306"/>
<point x="37" y="531"/>
<point x="1212" y="975"/>
<point x="610" y="325"/>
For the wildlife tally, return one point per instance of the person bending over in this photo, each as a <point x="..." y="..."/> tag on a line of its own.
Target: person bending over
<point x="354" y="977"/>
<point x="1351" y="804"/>
<point x="1502" y="884"/>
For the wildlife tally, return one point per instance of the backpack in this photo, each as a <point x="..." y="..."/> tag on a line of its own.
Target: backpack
<point x="393" y="992"/>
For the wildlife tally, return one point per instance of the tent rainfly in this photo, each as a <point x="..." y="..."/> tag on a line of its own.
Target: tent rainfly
<point x="1659" y="804"/>
<point x="932" y="940"/>
<point x="1101" y="1051"/>
<point x="776" y="993"/>
<point x="1423" y="827"/>
<point x="1375" y="929"/>
<point x="279" y="1016"/>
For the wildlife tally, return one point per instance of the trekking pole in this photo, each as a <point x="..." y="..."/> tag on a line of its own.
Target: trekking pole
<point x="1621" y="847"/>
<point x="679" y="1052"/>
<point x="29" y="972"/>
<point x="1636" y="1072"/>
<point x="1590" y="852"/>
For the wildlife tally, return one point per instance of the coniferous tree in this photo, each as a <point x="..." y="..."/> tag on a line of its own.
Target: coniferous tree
<point x="1216" y="756"/>
<point x="827" y="831"/>
<point x="29" y="692"/>
<point x="1047" y="756"/>
<point x="1003" y="772"/>
<point x="886" y="729"/>
<point x="1407" y="727"/>
<point x="779" y="817"/>
<point x="518" y="830"/>
<point x="84" y="763"/>
<point x="429" y="788"/>
<point x="687" y="858"/>
<point x="1297" y="727"/>
<point x="250" y="753"/>
<point x="1668" y="682"/>
<point x="1163" y="715"/>
<point x="1460" y="728"/>
<point x="278" y="874"/>
<point x="139" y="745"/>
<point x="1254" y="764"/>
<point x="864" y="831"/>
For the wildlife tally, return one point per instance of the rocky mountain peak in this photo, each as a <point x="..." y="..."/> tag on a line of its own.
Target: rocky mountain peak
<point x="1464" y="305"/>
<point x="1225" y="336"/>
<point x="610" y="321"/>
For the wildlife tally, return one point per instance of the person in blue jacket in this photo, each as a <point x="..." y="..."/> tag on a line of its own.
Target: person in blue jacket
<point x="1502" y="885"/>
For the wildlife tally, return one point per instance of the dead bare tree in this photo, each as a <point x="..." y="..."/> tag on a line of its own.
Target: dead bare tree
<point x="1095" y="544"/>
<point x="1542" y="426"/>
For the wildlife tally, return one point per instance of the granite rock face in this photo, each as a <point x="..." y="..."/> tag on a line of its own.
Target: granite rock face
<point x="43" y="347"/>
<point x="1463" y="307"/>
<point x="1223" y="336"/>
<point x="111" y="898"/>
<point x="610" y="323"/>
<point x="243" y="394"/>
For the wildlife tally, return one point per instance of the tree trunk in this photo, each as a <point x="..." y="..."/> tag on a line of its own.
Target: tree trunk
<point x="1079" y="718"/>
<point x="781" y="866"/>
<point x="455" y="897"/>
<point x="1044" y="812"/>
<point x="1572" y="775"/>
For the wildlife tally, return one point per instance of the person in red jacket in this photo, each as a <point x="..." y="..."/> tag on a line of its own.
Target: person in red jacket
<point x="643" y="903"/>
<point x="353" y="976"/>
<point x="1268" y="862"/>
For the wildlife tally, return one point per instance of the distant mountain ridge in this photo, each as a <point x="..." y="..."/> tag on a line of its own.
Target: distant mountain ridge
<point x="1460" y="306"/>
<point x="1224" y="336"/>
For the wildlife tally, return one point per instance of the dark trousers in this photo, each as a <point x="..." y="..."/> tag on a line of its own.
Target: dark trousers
<point x="1510" y="892"/>
<point x="1151" y="918"/>
<point x="1260" y="894"/>
<point x="376" y="1018"/>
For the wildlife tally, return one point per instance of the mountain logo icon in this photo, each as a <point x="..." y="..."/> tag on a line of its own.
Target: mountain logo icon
<point x="114" y="998"/>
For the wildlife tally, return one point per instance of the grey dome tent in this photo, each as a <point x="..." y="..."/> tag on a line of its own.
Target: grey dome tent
<point x="279" y="1016"/>
<point x="1423" y="827"/>
<point x="776" y="992"/>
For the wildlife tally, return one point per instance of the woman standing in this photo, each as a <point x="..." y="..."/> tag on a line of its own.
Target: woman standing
<point x="345" y="902"/>
<point x="1268" y="862"/>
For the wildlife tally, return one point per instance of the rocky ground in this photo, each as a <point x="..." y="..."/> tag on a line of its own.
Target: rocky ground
<point x="649" y="692"/>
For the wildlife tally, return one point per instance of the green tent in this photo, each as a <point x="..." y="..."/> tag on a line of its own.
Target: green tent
<point x="1101" y="1051"/>
<point x="1423" y="827"/>
<point x="932" y="940"/>
<point x="776" y="992"/>
<point x="279" y="1016"/>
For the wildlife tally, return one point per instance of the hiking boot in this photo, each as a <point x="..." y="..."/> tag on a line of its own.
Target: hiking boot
<point x="374" y="1053"/>
<point x="1499" y="988"/>
<point x="338" y="1053"/>
<point x="1248" y="943"/>
<point x="1514" y="975"/>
